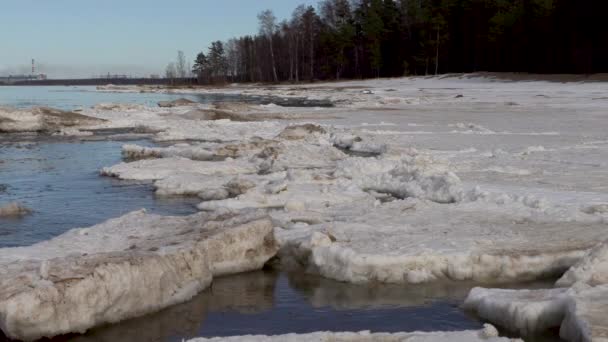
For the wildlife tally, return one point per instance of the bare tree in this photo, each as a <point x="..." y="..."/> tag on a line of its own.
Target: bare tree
<point x="180" y="66"/>
<point x="232" y="58"/>
<point x="267" y="28"/>
<point x="170" y="72"/>
<point x="296" y="23"/>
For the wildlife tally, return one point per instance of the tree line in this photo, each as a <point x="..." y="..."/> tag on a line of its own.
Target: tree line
<point x="386" y="38"/>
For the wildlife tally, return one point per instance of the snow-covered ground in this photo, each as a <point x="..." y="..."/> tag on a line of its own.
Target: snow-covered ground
<point x="408" y="180"/>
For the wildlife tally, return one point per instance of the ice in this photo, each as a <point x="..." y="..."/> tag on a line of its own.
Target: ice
<point x="579" y="312"/>
<point x="488" y="333"/>
<point x="578" y="306"/>
<point x="409" y="176"/>
<point x="42" y="119"/>
<point x="155" y="169"/>
<point x="14" y="209"/>
<point x="135" y="152"/>
<point x="177" y="103"/>
<point x="523" y="311"/>
<point x="123" y="268"/>
<point x="592" y="269"/>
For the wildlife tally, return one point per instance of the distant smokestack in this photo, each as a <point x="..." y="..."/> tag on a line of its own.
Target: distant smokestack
<point x="33" y="66"/>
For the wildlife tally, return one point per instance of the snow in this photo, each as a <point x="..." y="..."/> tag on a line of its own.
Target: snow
<point x="488" y="333"/>
<point x="125" y="267"/>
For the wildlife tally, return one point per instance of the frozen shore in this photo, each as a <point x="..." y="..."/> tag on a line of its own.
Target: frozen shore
<point x="411" y="180"/>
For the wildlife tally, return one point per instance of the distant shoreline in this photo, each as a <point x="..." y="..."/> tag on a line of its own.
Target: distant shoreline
<point x="193" y="82"/>
<point x="99" y="81"/>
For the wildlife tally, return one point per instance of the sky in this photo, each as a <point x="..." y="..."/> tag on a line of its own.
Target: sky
<point x="82" y="38"/>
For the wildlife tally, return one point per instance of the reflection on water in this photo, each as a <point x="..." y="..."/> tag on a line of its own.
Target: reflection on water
<point x="270" y="302"/>
<point x="60" y="182"/>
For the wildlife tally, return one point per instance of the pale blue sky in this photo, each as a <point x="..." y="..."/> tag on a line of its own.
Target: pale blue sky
<point x="79" y="38"/>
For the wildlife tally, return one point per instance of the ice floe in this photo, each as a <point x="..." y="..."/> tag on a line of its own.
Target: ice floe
<point x="123" y="268"/>
<point x="14" y="209"/>
<point x="42" y="119"/>
<point x="577" y="306"/>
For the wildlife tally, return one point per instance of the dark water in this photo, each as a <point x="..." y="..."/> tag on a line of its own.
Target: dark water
<point x="59" y="181"/>
<point x="271" y="302"/>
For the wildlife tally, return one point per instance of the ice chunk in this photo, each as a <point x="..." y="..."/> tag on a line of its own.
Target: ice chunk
<point x="136" y="152"/>
<point x="409" y="176"/>
<point x="586" y="318"/>
<point x="14" y="209"/>
<point x="579" y="311"/>
<point x="153" y="169"/>
<point x="177" y="103"/>
<point x="38" y="119"/>
<point x="592" y="269"/>
<point x="522" y="311"/>
<point x="123" y="268"/>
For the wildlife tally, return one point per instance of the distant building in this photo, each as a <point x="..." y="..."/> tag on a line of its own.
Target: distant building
<point x="10" y="79"/>
<point x="155" y="76"/>
<point x="109" y="76"/>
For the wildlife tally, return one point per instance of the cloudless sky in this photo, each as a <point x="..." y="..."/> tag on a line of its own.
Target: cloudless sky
<point x="79" y="38"/>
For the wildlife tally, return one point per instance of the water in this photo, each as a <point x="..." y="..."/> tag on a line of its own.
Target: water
<point x="60" y="182"/>
<point x="70" y="98"/>
<point x="271" y="302"/>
